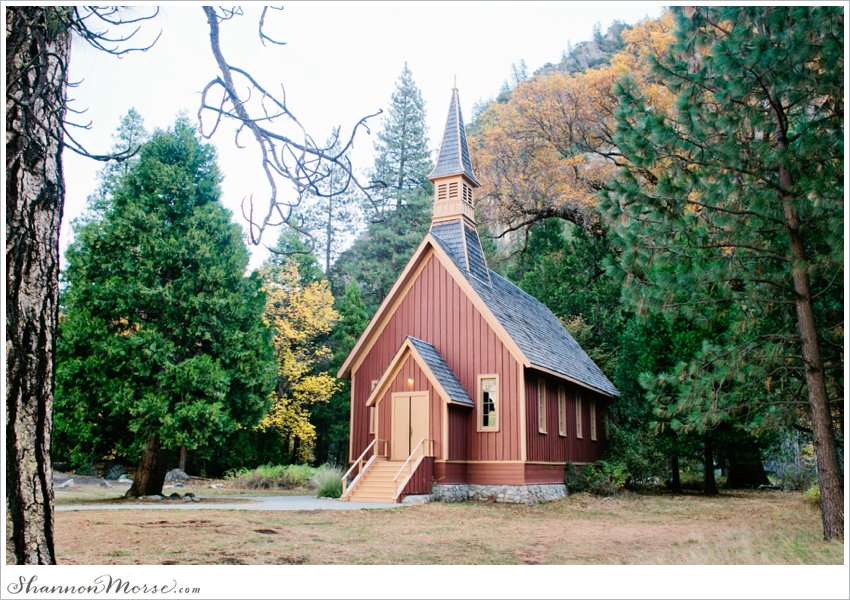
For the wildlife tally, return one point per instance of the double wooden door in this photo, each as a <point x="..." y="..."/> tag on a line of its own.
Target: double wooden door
<point x="409" y="423"/>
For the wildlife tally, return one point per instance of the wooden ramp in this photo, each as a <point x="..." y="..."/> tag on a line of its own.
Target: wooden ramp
<point x="376" y="484"/>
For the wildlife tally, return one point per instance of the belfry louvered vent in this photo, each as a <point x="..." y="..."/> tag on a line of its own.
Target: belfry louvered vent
<point x="453" y="189"/>
<point x="467" y="194"/>
<point x="441" y="191"/>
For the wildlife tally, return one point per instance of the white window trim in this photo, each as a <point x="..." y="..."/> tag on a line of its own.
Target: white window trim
<point x="593" y="419"/>
<point x="479" y="398"/>
<point x="578" y="415"/>
<point x="562" y="411"/>
<point x="541" y="406"/>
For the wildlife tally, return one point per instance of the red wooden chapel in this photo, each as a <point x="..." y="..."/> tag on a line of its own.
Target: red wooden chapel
<point x="462" y="381"/>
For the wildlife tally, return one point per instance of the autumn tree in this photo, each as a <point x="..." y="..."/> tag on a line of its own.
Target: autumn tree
<point x="162" y="342"/>
<point x="300" y="315"/>
<point x="332" y="419"/>
<point x="549" y="149"/>
<point x="744" y="221"/>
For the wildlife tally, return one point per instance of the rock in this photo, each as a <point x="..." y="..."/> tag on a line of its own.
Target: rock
<point x="174" y="496"/>
<point x="188" y="498"/>
<point x="178" y="485"/>
<point x="154" y="497"/>
<point x="67" y="484"/>
<point x="176" y="475"/>
<point x="195" y="499"/>
<point x="115" y="472"/>
<point x="105" y="484"/>
<point x="217" y="485"/>
<point x="130" y="494"/>
<point x="124" y="479"/>
<point x="189" y="495"/>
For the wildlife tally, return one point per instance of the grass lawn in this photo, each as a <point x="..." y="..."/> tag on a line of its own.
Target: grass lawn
<point x="115" y="495"/>
<point x="733" y="528"/>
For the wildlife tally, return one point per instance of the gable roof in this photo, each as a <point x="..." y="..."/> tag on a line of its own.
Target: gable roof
<point x="539" y="334"/>
<point x="434" y="367"/>
<point x="454" y="151"/>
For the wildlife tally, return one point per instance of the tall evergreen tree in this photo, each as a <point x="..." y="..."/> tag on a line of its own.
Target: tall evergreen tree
<point x="743" y="224"/>
<point x="404" y="159"/>
<point x="162" y="342"/>
<point x="403" y="164"/>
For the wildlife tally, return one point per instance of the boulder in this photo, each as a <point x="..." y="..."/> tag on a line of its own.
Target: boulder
<point x="176" y="475"/>
<point x="195" y="499"/>
<point x="154" y="497"/>
<point x="124" y="479"/>
<point x="189" y="495"/>
<point x="115" y="472"/>
<point x="130" y="494"/>
<point x="105" y="484"/>
<point x="178" y="485"/>
<point x="187" y="498"/>
<point x="67" y="484"/>
<point x="217" y="485"/>
<point x="174" y="496"/>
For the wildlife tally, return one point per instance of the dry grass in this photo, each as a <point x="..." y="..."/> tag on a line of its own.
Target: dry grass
<point x="734" y="528"/>
<point x="98" y="495"/>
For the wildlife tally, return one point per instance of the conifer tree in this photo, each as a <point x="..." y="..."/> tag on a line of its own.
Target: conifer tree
<point x="162" y="342"/>
<point x="403" y="158"/>
<point x="742" y="225"/>
<point x="403" y="164"/>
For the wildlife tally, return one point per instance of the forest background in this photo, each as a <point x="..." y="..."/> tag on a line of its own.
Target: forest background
<point x="668" y="260"/>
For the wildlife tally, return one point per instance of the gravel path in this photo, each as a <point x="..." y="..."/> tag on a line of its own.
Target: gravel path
<point x="259" y="503"/>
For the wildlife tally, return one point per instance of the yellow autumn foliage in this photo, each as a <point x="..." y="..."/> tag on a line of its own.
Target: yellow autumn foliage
<point x="549" y="149"/>
<point x="299" y="315"/>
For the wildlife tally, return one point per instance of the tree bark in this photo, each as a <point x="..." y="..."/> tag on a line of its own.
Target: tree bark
<point x="676" y="482"/>
<point x="182" y="465"/>
<point x="830" y="476"/>
<point x="150" y="477"/>
<point x="38" y="46"/>
<point x="710" y="483"/>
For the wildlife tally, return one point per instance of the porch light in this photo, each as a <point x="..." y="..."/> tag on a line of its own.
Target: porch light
<point x="410" y="383"/>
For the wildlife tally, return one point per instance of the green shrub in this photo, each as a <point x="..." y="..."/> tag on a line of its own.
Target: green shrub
<point x="602" y="479"/>
<point x="271" y="477"/>
<point x="328" y="481"/>
<point x="813" y="494"/>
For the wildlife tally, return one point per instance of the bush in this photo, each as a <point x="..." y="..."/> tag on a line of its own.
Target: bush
<point x="271" y="477"/>
<point x="602" y="479"/>
<point x="813" y="494"/>
<point x="328" y="481"/>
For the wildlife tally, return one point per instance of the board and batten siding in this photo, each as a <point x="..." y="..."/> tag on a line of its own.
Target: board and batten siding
<point x="437" y="311"/>
<point x="551" y="447"/>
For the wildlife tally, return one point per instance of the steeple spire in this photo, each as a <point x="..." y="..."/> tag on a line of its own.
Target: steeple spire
<point x="454" y="151"/>
<point x="453" y="178"/>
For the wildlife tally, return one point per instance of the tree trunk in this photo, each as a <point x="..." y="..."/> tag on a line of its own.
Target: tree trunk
<point x="150" y="476"/>
<point x="676" y="482"/>
<point x="830" y="475"/>
<point x="37" y="52"/>
<point x="182" y="465"/>
<point x="710" y="483"/>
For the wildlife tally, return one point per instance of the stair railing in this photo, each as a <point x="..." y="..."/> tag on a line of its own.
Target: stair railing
<point x="358" y="464"/>
<point x="400" y="488"/>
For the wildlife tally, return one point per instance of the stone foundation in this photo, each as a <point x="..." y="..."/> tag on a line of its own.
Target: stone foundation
<point x="417" y="499"/>
<point x="511" y="494"/>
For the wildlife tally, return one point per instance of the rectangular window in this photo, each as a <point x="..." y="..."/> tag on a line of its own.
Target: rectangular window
<point x="562" y="411"/>
<point x="488" y="403"/>
<point x="578" y="415"/>
<point x="372" y="420"/>
<point x="541" y="405"/>
<point x="593" y="420"/>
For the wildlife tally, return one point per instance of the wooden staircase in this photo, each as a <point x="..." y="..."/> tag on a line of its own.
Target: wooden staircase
<point x="377" y="485"/>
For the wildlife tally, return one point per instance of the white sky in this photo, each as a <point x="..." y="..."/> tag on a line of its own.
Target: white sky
<point x="341" y="62"/>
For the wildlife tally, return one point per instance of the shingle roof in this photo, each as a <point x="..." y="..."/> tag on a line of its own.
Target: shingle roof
<point x="441" y="371"/>
<point x="532" y="326"/>
<point x="454" y="151"/>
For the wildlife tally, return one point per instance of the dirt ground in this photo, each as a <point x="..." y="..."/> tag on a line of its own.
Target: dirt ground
<point x="734" y="528"/>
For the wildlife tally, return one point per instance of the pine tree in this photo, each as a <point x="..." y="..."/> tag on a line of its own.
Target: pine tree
<point x="404" y="159"/>
<point x="741" y="223"/>
<point x="162" y="342"/>
<point x="403" y="164"/>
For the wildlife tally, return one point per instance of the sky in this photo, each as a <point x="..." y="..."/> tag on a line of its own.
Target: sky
<point x="340" y="63"/>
